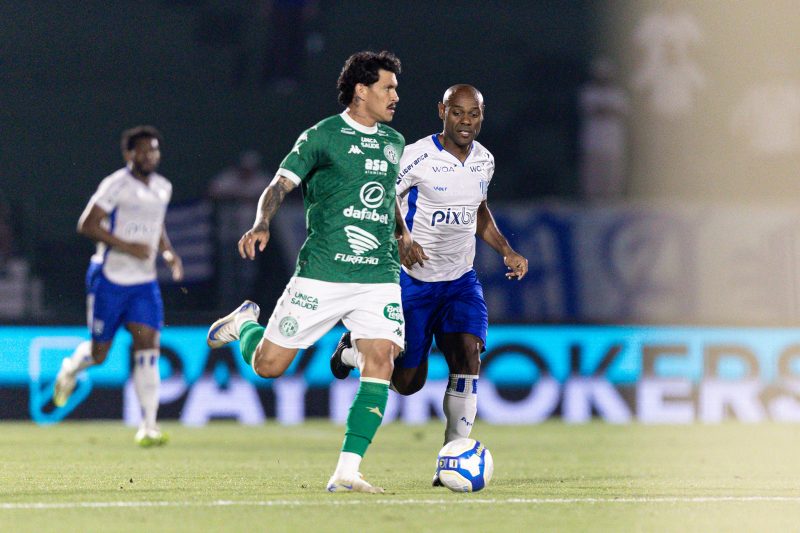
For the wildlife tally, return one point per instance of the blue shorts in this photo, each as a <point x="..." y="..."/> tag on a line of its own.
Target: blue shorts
<point x="432" y="308"/>
<point x="111" y="305"/>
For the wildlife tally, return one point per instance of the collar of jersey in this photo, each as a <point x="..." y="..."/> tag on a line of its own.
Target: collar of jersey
<point x="356" y="126"/>
<point x="435" y="139"/>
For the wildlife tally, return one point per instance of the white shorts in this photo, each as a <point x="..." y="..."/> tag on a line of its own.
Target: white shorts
<point x="309" y="308"/>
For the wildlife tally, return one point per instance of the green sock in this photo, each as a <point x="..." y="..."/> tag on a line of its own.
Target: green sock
<point x="250" y="335"/>
<point x="366" y="415"/>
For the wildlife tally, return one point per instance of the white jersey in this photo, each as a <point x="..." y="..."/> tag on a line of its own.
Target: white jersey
<point x="440" y="197"/>
<point x="136" y="214"/>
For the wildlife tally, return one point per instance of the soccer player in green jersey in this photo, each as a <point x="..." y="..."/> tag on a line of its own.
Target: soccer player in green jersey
<point x="348" y="268"/>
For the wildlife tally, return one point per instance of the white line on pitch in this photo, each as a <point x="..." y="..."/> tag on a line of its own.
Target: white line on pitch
<point x="384" y="501"/>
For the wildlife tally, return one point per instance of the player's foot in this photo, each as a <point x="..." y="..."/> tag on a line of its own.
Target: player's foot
<point x="226" y="330"/>
<point x="339" y="369"/>
<point x="65" y="383"/>
<point x="436" y="481"/>
<point x="150" y="437"/>
<point x="357" y="484"/>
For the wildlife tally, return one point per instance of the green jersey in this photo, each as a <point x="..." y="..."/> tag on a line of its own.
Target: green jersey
<point x="347" y="172"/>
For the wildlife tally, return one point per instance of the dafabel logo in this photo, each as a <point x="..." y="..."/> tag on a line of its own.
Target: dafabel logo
<point x="371" y="195"/>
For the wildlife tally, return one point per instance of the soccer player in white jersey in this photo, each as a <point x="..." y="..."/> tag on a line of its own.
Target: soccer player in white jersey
<point x="442" y="187"/>
<point x="125" y="217"/>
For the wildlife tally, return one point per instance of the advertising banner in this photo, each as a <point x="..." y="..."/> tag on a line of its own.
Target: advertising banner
<point x="620" y="374"/>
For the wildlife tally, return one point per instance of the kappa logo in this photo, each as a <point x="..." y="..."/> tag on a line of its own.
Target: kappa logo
<point x="355" y="150"/>
<point x="361" y="241"/>
<point x="300" y="140"/>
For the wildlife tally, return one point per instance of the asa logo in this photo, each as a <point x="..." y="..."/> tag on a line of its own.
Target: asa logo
<point x="393" y="312"/>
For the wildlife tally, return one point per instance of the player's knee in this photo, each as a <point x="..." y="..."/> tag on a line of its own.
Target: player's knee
<point x="407" y="388"/>
<point x="267" y="367"/>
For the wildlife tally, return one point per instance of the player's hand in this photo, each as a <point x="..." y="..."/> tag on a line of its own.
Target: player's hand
<point x="258" y="236"/>
<point x="411" y="253"/>
<point x="137" y="249"/>
<point x="175" y="264"/>
<point x="517" y="265"/>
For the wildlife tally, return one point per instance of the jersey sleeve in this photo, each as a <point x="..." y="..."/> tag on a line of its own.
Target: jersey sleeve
<point x="410" y="171"/>
<point x="305" y="155"/>
<point x="106" y="197"/>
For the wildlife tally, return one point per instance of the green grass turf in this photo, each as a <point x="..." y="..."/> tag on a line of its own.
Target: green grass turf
<point x="548" y="477"/>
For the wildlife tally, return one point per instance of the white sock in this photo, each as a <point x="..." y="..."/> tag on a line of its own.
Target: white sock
<point x="347" y="467"/>
<point x="352" y="357"/>
<point x="146" y="380"/>
<point x="82" y="357"/>
<point x="460" y="406"/>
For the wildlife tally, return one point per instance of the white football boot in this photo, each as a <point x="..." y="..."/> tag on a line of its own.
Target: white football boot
<point x="357" y="484"/>
<point x="147" y="437"/>
<point x="65" y="383"/>
<point x="226" y="329"/>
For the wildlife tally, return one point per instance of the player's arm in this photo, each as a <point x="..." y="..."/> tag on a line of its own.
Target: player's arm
<point x="169" y="256"/>
<point x="488" y="231"/>
<point x="411" y="253"/>
<point x="90" y="225"/>
<point x="268" y="204"/>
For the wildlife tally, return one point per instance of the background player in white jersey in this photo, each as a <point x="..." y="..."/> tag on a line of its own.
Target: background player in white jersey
<point x="125" y="216"/>
<point x="348" y="267"/>
<point x="442" y="184"/>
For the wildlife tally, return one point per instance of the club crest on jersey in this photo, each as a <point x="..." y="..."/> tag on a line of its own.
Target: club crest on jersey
<point x="390" y="152"/>
<point x="393" y="312"/>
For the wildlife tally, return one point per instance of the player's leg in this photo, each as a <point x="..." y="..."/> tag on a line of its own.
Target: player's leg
<point x="266" y="358"/>
<point x="144" y="319"/>
<point x="462" y="337"/>
<point x="147" y="382"/>
<point x="377" y="325"/>
<point x="103" y="316"/>
<point x="462" y="352"/>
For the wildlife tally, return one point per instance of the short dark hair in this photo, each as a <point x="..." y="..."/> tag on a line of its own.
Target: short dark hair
<point x="130" y="136"/>
<point x="363" y="67"/>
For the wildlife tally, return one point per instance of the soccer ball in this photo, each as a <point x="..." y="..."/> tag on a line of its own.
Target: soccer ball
<point x="464" y="465"/>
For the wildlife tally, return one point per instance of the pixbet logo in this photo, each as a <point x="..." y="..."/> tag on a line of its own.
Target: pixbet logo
<point x="452" y="217"/>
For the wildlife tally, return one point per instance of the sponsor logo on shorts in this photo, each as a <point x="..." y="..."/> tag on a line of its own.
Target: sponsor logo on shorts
<point x="306" y="301"/>
<point x="288" y="326"/>
<point x="98" y="326"/>
<point x="393" y="312"/>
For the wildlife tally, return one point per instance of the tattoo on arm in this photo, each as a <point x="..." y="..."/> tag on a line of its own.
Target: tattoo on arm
<point x="271" y="199"/>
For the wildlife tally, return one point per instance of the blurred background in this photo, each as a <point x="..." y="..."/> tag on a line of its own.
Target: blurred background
<point x="647" y="151"/>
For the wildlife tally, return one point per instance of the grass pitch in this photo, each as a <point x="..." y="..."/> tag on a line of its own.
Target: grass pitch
<point x="548" y="477"/>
